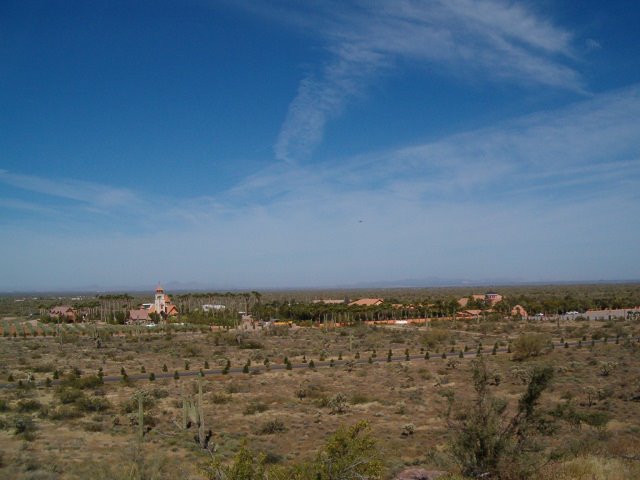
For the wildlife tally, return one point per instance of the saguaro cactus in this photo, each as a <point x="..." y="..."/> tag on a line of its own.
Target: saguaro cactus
<point x="140" y="416"/>
<point x="201" y="432"/>
<point x="193" y="414"/>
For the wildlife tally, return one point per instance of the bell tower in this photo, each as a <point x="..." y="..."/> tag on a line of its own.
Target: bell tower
<point x="160" y="303"/>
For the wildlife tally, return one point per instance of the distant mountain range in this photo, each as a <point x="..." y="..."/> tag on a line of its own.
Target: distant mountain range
<point x="178" y="286"/>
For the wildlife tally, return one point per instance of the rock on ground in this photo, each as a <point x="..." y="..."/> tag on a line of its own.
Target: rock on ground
<point x="419" y="474"/>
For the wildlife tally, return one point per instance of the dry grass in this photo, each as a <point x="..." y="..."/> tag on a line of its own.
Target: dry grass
<point x="590" y="467"/>
<point x="246" y="406"/>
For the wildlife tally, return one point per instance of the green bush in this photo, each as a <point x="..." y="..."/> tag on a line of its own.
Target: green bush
<point x="93" y="404"/>
<point x="74" y="380"/>
<point x="349" y="454"/>
<point x="530" y="345"/>
<point x="68" y="395"/>
<point x="484" y="442"/>
<point x="272" y="426"/>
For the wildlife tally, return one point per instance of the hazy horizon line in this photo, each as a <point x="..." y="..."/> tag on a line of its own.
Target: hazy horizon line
<point x="377" y="285"/>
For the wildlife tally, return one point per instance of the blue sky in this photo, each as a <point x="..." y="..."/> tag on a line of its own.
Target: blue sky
<point x="276" y="143"/>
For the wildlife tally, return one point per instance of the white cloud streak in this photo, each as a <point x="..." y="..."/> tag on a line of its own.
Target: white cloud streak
<point x="89" y="193"/>
<point x="491" y="38"/>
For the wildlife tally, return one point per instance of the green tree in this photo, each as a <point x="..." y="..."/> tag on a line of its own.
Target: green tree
<point x="349" y="454"/>
<point x="484" y="443"/>
<point x="246" y="466"/>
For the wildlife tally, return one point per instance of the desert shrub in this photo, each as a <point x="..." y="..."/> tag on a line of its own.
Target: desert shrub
<point x="358" y="398"/>
<point x="338" y="403"/>
<point x="408" y="429"/>
<point x="220" y="398"/>
<point x="93" y="426"/>
<point x="575" y="417"/>
<point x="271" y="458"/>
<point x="68" y="395"/>
<point x="272" y="426"/>
<point x="44" y="367"/>
<point x="74" y="380"/>
<point x="245" y="466"/>
<point x="590" y="467"/>
<point x="401" y="408"/>
<point x="159" y="393"/>
<point x="64" y="412"/>
<point x="4" y="406"/>
<point x="312" y="389"/>
<point x="433" y="337"/>
<point x="131" y="405"/>
<point x="597" y="420"/>
<point x="24" y="427"/>
<point x="606" y="368"/>
<point x="28" y="405"/>
<point x="349" y="454"/>
<point x="251" y="345"/>
<point x="255" y="407"/>
<point x="93" y="404"/>
<point x="529" y="345"/>
<point x="301" y="392"/>
<point x="485" y="443"/>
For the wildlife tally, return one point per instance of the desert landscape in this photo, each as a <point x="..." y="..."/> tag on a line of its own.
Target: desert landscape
<point x="73" y="395"/>
<point x="319" y="240"/>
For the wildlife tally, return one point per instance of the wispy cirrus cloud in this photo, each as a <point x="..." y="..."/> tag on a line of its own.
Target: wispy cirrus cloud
<point x="588" y="148"/>
<point x="88" y="193"/>
<point x="494" y="39"/>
